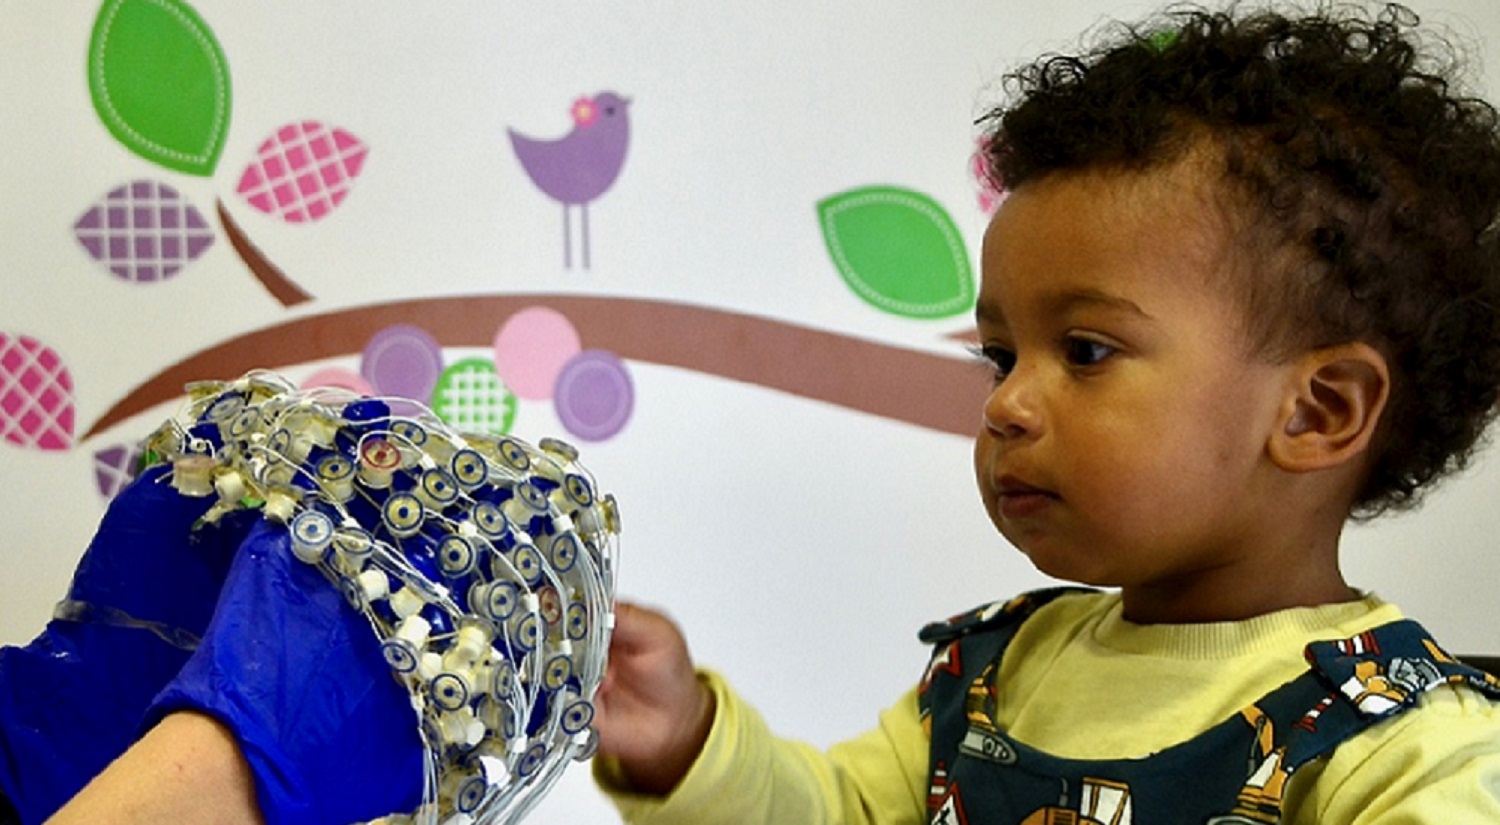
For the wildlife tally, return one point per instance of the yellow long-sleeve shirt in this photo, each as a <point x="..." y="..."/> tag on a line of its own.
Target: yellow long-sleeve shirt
<point x="1147" y="687"/>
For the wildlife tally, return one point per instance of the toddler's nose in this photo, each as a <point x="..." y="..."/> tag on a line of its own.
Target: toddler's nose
<point x="1011" y="410"/>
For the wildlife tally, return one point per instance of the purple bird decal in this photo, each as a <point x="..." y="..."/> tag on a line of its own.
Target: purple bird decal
<point x="582" y="165"/>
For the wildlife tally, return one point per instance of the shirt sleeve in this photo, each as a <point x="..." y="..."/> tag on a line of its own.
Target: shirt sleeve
<point x="746" y="775"/>
<point x="1436" y="763"/>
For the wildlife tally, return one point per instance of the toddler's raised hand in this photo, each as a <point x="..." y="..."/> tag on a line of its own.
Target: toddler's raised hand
<point x="653" y="712"/>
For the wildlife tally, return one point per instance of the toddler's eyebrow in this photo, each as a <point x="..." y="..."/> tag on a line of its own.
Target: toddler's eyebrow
<point x="1062" y="302"/>
<point x="986" y="313"/>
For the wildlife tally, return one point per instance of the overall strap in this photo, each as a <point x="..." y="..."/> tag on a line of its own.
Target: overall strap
<point x="1239" y="769"/>
<point x="1350" y="685"/>
<point x="994" y="615"/>
<point x="984" y="631"/>
<point x="964" y="647"/>
<point x="1378" y="674"/>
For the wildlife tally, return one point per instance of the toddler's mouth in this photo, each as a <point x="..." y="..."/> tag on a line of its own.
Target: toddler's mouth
<point x="1018" y="499"/>
<point x="1011" y="485"/>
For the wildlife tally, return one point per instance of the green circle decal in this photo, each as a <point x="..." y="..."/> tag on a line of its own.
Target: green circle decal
<point x="470" y="396"/>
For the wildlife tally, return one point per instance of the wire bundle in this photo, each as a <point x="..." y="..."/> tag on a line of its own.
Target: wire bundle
<point x="485" y="566"/>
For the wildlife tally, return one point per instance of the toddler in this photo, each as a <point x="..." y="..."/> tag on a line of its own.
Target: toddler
<point x="1245" y="287"/>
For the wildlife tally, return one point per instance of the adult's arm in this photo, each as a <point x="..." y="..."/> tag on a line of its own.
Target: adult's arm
<point x="187" y="768"/>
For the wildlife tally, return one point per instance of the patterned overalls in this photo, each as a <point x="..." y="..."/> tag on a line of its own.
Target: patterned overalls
<point x="1232" y="774"/>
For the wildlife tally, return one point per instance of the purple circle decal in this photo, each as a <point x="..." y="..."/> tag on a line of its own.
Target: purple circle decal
<point x="594" y="396"/>
<point x="404" y="361"/>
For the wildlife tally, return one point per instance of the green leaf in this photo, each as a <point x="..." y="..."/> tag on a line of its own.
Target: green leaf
<point x="898" y="250"/>
<point x="1163" y="39"/>
<point x="160" y="82"/>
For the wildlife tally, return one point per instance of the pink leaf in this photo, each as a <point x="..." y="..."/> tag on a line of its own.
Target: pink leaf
<point x="36" y="395"/>
<point x="303" y="172"/>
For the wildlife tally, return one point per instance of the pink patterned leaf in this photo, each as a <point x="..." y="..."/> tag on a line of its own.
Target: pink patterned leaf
<point x="303" y="172"/>
<point x="36" y="394"/>
<point x="144" y="232"/>
<point x="987" y="192"/>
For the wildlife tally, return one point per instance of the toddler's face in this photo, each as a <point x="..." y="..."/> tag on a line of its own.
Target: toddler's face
<point x="1124" y="440"/>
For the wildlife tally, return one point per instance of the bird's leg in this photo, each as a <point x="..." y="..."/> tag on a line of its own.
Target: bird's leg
<point x="584" y="211"/>
<point x="567" y="240"/>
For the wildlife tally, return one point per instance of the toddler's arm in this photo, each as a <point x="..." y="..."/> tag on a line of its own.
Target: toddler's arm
<point x="680" y="747"/>
<point x="653" y="712"/>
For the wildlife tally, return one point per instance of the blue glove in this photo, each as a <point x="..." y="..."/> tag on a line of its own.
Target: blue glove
<point x="72" y="700"/>
<point x="297" y="675"/>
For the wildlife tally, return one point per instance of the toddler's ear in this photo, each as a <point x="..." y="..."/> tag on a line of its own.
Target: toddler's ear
<point x="1333" y="409"/>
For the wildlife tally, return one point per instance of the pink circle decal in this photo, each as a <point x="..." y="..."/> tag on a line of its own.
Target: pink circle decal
<point x="531" y="349"/>
<point x="338" y="378"/>
<point x="404" y="361"/>
<point x="594" y="396"/>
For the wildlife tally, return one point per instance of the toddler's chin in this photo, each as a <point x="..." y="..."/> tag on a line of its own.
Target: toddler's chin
<point x="1073" y="567"/>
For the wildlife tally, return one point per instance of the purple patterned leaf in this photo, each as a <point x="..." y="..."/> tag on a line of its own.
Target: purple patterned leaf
<point x="114" y="467"/>
<point x="144" y="232"/>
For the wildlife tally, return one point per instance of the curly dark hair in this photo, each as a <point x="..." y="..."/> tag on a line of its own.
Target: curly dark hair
<point x="1369" y="188"/>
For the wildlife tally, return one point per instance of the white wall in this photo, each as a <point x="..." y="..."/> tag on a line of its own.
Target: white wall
<point x="794" y="539"/>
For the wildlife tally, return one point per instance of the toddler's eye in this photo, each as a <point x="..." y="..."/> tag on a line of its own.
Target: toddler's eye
<point x="999" y="359"/>
<point x="1084" y="352"/>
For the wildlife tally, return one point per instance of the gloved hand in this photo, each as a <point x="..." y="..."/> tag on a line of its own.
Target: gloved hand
<point x="72" y="700"/>
<point x="297" y="676"/>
